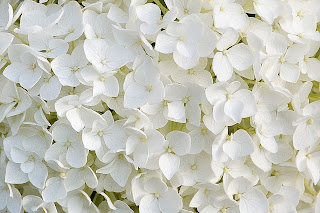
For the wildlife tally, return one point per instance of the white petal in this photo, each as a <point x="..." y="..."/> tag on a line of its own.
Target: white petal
<point x="176" y="110"/>
<point x="121" y="172"/>
<point x="269" y="143"/>
<point x="14" y="175"/>
<point x="74" y="180"/>
<point x="169" y="164"/>
<point x="50" y="90"/>
<point x="240" y="57"/>
<point x="141" y="155"/>
<point x="233" y="108"/>
<point x="76" y="155"/>
<point x="289" y="72"/>
<point x="14" y="202"/>
<point x="55" y="190"/>
<point x="232" y="149"/>
<point x="148" y="204"/>
<point x="244" y="139"/>
<point x="90" y="140"/>
<point x="304" y="136"/>
<point x="149" y="13"/>
<point x="180" y="142"/>
<point x="248" y="100"/>
<point x="166" y="43"/>
<point x="222" y="67"/>
<point x="90" y="177"/>
<point x="154" y="185"/>
<point x="254" y="201"/>
<point x="313" y="68"/>
<point x="186" y="62"/>
<point x="135" y="96"/>
<point x="39" y="175"/>
<point x="170" y="201"/>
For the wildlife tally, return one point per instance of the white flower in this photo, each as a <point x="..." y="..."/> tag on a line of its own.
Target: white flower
<point x="268" y="10"/>
<point x="228" y="56"/>
<point x="150" y="14"/>
<point x="67" y="142"/>
<point x="10" y="196"/>
<point x="97" y="25"/>
<point x="14" y="102"/>
<point x="70" y="25"/>
<point x="195" y="168"/>
<point x="249" y="199"/>
<point x="306" y="132"/>
<point x="234" y="146"/>
<point x="47" y="45"/>
<point x="29" y="158"/>
<point x="106" y="55"/>
<point x="104" y="130"/>
<point x="32" y="204"/>
<point x="26" y="66"/>
<point x="183" y="102"/>
<point x="183" y="39"/>
<point x="184" y="7"/>
<point x="285" y="60"/>
<point x="159" y="198"/>
<point x="143" y="85"/>
<point x="119" y="166"/>
<point x="142" y="143"/>
<point x="177" y="144"/>
<point x="68" y="67"/>
<point x="230" y="102"/>
<point x="229" y="14"/>
<point x="308" y="159"/>
<point x="6" y="12"/>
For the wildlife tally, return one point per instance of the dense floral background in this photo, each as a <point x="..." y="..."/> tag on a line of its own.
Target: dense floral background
<point x="167" y="106"/>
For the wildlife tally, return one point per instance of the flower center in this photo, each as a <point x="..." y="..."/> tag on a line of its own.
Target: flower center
<point x="310" y="121"/>
<point x="193" y="167"/>
<point x="282" y="59"/>
<point x="104" y="62"/>
<point x="228" y="96"/>
<point x="33" y="66"/>
<point x="68" y="144"/>
<point x="149" y="88"/>
<point x="63" y="175"/>
<point x="225" y="52"/>
<point x="100" y="133"/>
<point x="190" y="72"/>
<point x="238" y="196"/>
<point x="31" y="158"/>
<point x="74" y="69"/>
<point x="186" y="99"/>
<point x="225" y="169"/>
<point x="204" y="131"/>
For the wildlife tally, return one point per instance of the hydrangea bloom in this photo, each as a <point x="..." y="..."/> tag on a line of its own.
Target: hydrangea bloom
<point x="160" y="106"/>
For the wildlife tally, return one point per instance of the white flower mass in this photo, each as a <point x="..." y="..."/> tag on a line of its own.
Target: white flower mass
<point x="160" y="106"/>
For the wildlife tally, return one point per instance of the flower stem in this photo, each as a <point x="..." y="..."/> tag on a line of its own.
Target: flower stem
<point x="163" y="8"/>
<point x="7" y="60"/>
<point x="309" y="188"/>
<point x="16" y="35"/>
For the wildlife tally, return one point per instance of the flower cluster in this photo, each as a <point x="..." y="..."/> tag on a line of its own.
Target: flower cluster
<point x="169" y="106"/>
